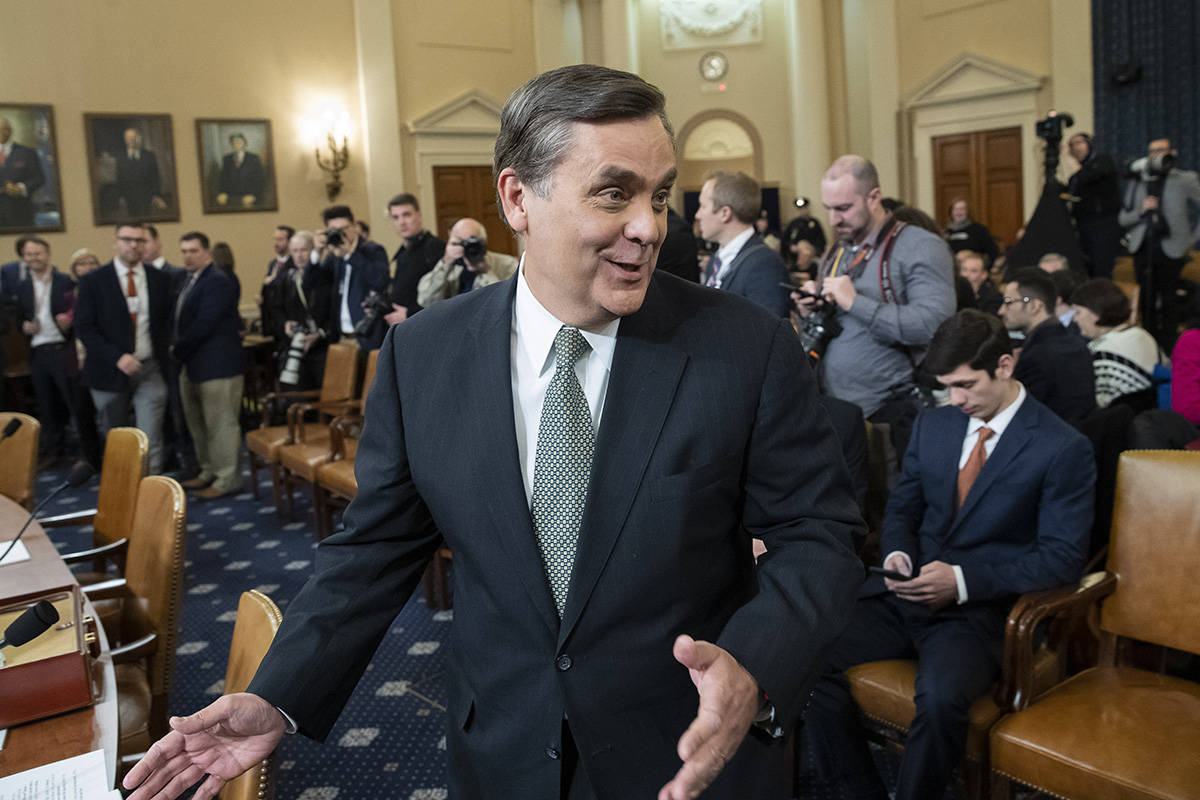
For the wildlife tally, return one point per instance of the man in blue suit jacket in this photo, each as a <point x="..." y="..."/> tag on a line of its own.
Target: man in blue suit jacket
<point x="995" y="500"/>
<point x="729" y="205"/>
<point x="586" y="556"/>
<point x="353" y="269"/>
<point x="207" y="346"/>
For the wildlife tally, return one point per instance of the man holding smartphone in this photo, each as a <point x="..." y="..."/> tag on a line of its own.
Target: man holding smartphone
<point x="995" y="500"/>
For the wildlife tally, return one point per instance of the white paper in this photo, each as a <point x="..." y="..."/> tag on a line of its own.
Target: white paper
<point x="79" y="778"/>
<point x="19" y="553"/>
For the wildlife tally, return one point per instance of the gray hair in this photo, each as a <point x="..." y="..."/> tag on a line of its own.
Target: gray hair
<point x="535" y="125"/>
<point x="304" y="236"/>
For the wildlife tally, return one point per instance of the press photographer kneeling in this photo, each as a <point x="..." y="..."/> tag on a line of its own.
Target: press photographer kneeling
<point x="467" y="264"/>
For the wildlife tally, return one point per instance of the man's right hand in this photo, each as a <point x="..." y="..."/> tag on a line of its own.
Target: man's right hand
<point x="129" y="364"/>
<point x="897" y="562"/>
<point x="221" y="741"/>
<point x="804" y="305"/>
<point x="398" y="315"/>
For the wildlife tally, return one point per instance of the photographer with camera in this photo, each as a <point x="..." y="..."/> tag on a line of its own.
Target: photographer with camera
<point x="467" y="264"/>
<point x="356" y="271"/>
<point x="303" y="316"/>
<point x="1157" y="232"/>
<point x="882" y="290"/>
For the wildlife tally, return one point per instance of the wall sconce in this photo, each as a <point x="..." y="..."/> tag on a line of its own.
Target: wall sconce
<point x="329" y="135"/>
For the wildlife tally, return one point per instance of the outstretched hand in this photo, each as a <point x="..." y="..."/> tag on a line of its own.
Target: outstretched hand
<point x="220" y="741"/>
<point x="728" y="704"/>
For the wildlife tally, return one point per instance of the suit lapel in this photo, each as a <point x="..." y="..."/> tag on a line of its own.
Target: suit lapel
<point x="1017" y="435"/>
<point x="645" y="375"/>
<point x="490" y="381"/>
<point x="116" y="294"/>
<point x="730" y="276"/>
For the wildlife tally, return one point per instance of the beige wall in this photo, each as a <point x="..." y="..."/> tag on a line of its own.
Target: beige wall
<point x="220" y="58"/>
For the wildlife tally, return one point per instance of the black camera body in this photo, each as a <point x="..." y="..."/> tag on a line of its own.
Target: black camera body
<point x="1159" y="165"/>
<point x="474" y="249"/>
<point x="818" y="329"/>
<point x="375" y="307"/>
<point x="334" y="237"/>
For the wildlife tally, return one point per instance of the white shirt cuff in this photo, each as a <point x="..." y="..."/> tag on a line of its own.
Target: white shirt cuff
<point x="292" y="727"/>
<point x="903" y="555"/>
<point x="962" y="583"/>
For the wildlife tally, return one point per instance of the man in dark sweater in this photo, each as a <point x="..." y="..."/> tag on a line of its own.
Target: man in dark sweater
<point x="1055" y="364"/>
<point x="419" y="251"/>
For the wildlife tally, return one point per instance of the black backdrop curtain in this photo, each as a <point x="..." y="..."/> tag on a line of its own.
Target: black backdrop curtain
<point x="1163" y="37"/>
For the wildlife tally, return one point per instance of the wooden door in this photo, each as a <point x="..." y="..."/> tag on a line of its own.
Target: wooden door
<point x="985" y="168"/>
<point x="469" y="192"/>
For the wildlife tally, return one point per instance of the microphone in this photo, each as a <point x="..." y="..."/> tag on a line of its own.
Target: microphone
<point x="13" y="425"/>
<point x="79" y="476"/>
<point x="30" y="625"/>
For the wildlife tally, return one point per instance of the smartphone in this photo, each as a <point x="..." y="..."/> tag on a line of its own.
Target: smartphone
<point x="793" y="288"/>
<point x="890" y="573"/>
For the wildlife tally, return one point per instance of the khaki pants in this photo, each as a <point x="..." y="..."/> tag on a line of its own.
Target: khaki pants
<point x="211" y="410"/>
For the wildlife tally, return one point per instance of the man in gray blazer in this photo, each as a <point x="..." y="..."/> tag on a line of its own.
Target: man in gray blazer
<point x="1158" y="233"/>
<point x="729" y="205"/>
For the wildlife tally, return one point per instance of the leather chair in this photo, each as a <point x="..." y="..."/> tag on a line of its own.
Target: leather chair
<point x="263" y="443"/>
<point x="146" y="630"/>
<point x="1133" y="291"/>
<point x="1115" y="730"/>
<point x="18" y="464"/>
<point x="257" y="621"/>
<point x="299" y="461"/>
<point x="126" y="462"/>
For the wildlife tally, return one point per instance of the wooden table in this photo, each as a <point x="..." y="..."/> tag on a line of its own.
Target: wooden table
<point x="76" y="732"/>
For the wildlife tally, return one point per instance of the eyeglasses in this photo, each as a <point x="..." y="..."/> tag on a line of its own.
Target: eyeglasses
<point x="1008" y="301"/>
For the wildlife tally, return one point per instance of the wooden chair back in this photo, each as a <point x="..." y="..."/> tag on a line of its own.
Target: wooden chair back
<point x="257" y="621"/>
<point x="154" y="570"/>
<point x="1154" y="550"/>
<point x="341" y="372"/>
<point x="369" y="373"/>
<point x="126" y="462"/>
<point x="1134" y="292"/>
<point x="18" y="466"/>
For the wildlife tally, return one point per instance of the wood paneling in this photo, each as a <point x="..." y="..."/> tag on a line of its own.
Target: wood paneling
<point x="985" y="168"/>
<point x="468" y="192"/>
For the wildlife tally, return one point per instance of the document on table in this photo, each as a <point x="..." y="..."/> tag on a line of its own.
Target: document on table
<point x="19" y="553"/>
<point x="79" y="778"/>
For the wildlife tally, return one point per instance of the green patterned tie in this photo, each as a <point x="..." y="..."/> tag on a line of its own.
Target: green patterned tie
<point x="563" y="466"/>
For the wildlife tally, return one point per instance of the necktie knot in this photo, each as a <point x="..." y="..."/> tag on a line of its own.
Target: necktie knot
<point x="985" y="433"/>
<point x="569" y="347"/>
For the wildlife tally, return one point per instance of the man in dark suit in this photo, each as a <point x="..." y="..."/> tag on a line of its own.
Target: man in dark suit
<point x="1054" y="365"/>
<point x="729" y="205"/>
<point x="20" y="176"/>
<point x="1097" y="195"/>
<point x="242" y="177"/>
<point x="354" y="269"/>
<point x="418" y="253"/>
<point x="206" y="344"/>
<point x="138" y="182"/>
<point x="586" y="558"/>
<point x="123" y="317"/>
<point x="678" y="255"/>
<point x="995" y="500"/>
<point x="46" y="298"/>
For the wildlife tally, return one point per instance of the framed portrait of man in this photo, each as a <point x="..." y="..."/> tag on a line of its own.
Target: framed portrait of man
<point x="131" y="158"/>
<point x="30" y="189"/>
<point x="237" y="165"/>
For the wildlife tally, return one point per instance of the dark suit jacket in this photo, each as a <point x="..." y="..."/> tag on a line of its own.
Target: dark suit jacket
<point x="755" y="274"/>
<point x="708" y="439"/>
<point x="237" y="181"/>
<point x="11" y="275"/>
<point x="22" y="166"/>
<point x="1025" y="524"/>
<point x="138" y="181"/>
<point x="206" y="333"/>
<point x="1056" y="367"/>
<point x="62" y="296"/>
<point x="102" y="323"/>
<point x="678" y="253"/>
<point x="369" y="271"/>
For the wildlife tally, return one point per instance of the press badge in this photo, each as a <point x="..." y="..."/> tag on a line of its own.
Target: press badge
<point x="132" y="302"/>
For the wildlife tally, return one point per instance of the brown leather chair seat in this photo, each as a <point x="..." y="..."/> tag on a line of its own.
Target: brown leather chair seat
<point x="303" y="458"/>
<point x="266" y="442"/>
<point x="338" y="477"/>
<point x="1142" y="741"/>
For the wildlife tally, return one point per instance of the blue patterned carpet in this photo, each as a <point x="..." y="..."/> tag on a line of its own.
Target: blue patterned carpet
<point x="389" y="742"/>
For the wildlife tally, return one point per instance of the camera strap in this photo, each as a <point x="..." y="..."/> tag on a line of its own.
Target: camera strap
<point x="886" y="290"/>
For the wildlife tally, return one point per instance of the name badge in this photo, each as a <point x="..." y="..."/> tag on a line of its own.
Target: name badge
<point x="132" y="302"/>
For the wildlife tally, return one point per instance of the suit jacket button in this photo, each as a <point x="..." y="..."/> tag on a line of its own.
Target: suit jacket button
<point x="552" y="753"/>
<point x="563" y="663"/>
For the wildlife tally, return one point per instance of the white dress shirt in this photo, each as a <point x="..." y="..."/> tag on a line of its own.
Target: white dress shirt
<point x="142" y="348"/>
<point x="48" y="332"/>
<point x="998" y="424"/>
<point x="533" y="364"/>
<point x="346" y="320"/>
<point x="729" y="251"/>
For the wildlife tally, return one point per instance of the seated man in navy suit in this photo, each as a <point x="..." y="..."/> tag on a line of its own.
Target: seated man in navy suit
<point x="995" y="500"/>
<point x="729" y="205"/>
<point x="207" y="346"/>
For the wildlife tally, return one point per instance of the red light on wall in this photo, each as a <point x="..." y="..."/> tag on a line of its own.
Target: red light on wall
<point x="720" y="87"/>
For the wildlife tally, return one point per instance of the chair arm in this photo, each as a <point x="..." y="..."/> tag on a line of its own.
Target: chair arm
<point x="272" y="399"/>
<point x="1029" y="611"/>
<point x="107" y="590"/>
<point x="296" y="413"/>
<point x="341" y="429"/>
<point x="63" y="520"/>
<point x="136" y="650"/>
<point x="115" y="551"/>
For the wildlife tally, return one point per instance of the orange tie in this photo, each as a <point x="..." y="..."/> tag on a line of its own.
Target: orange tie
<point x="131" y="291"/>
<point x="970" y="470"/>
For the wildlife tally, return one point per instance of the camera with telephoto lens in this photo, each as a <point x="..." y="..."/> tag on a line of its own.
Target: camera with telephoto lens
<point x="474" y="249"/>
<point x="294" y="355"/>
<point x="334" y="237"/>
<point x="819" y="328"/>
<point x="376" y="306"/>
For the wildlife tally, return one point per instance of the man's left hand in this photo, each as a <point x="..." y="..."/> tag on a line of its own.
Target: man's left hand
<point x="934" y="586"/>
<point x="728" y="704"/>
<point x="840" y="289"/>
